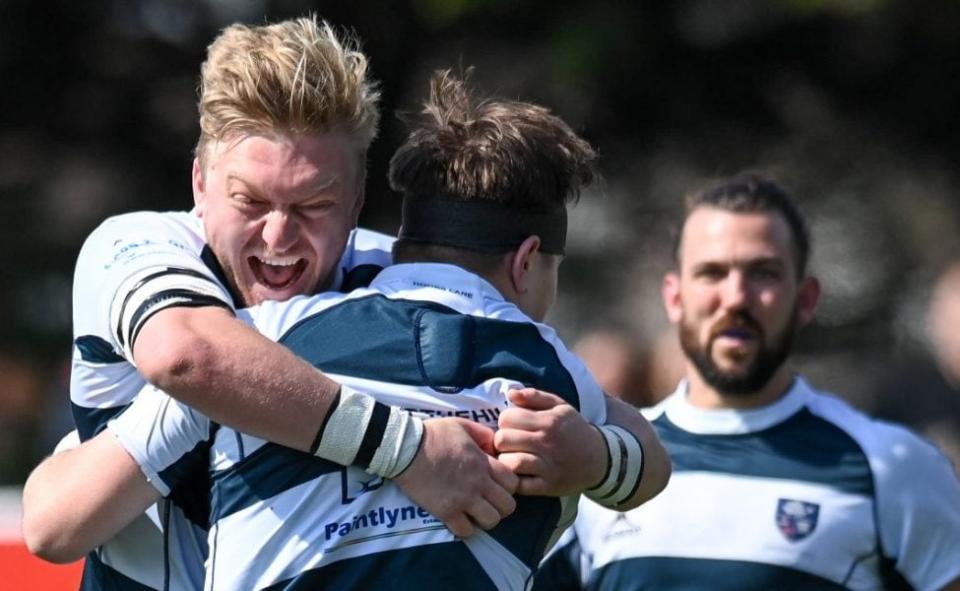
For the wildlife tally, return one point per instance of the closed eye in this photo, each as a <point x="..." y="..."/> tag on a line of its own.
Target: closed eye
<point x="246" y="201"/>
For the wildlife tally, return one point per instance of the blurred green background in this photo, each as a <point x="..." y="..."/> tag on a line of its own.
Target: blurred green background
<point x="853" y="104"/>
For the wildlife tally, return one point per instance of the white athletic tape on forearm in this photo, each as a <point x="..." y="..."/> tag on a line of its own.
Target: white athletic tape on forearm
<point x="346" y="427"/>
<point x="360" y="431"/>
<point x="401" y="441"/>
<point x="626" y="467"/>
<point x="614" y="454"/>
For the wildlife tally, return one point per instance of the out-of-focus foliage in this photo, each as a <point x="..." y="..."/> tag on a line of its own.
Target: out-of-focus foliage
<point x="852" y="103"/>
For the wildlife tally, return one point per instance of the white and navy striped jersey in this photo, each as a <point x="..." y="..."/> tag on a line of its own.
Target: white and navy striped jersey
<point x="806" y="493"/>
<point x="427" y="337"/>
<point x="131" y="266"/>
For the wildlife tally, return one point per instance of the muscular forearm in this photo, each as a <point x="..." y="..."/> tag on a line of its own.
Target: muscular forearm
<point x="656" y="461"/>
<point x="211" y="361"/>
<point x="79" y="498"/>
<point x="556" y="452"/>
<point x="217" y="365"/>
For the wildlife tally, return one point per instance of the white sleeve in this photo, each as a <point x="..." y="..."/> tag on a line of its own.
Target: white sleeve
<point x="918" y="500"/>
<point x="367" y="248"/>
<point x="165" y="437"/>
<point x="593" y="404"/>
<point x="135" y="265"/>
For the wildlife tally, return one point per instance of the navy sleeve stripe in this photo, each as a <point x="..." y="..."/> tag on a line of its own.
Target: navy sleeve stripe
<point x="151" y="277"/>
<point x="90" y="421"/>
<point x="94" y="349"/>
<point x="836" y="461"/>
<point x="186" y="299"/>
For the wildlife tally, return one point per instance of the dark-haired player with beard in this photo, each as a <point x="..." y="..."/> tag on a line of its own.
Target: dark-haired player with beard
<point x="775" y="485"/>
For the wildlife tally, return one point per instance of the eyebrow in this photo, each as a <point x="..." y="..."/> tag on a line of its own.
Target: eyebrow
<point x="745" y="263"/>
<point x="313" y="188"/>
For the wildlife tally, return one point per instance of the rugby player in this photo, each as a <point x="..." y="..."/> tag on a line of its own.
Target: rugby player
<point x="287" y="112"/>
<point x="451" y="328"/>
<point x="776" y="485"/>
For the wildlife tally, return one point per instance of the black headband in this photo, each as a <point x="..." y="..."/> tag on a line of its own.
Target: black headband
<point x="483" y="226"/>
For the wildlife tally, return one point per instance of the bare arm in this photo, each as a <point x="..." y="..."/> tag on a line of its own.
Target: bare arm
<point x="556" y="452"/>
<point x="71" y="504"/>
<point x="656" y="461"/>
<point x="953" y="585"/>
<point x="211" y="361"/>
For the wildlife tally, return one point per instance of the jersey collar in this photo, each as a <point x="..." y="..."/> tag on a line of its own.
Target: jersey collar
<point x="730" y="421"/>
<point x="452" y="286"/>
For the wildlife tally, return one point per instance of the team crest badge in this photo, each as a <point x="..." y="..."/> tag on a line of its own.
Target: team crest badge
<point x="796" y="519"/>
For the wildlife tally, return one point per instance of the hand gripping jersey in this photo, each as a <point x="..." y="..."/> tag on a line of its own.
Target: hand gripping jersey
<point x="427" y="337"/>
<point x="130" y="267"/>
<point x="806" y="493"/>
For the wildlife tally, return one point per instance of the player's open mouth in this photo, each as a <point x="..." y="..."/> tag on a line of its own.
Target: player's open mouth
<point x="277" y="272"/>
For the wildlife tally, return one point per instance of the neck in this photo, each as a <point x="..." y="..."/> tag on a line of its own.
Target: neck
<point x="703" y="395"/>
<point x="504" y="285"/>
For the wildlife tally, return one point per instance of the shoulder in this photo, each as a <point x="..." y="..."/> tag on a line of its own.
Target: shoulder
<point x="149" y="221"/>
<point x="364" y="239"/>
<point x="275" y="319"/>
<point x="368" y="247"/>
<point x="144" y="230"/>
<point x="897" y="456"/>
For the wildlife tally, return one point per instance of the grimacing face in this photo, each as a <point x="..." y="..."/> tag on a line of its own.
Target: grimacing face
<point x="278" y="210"/>
<point x="737" y="299"/>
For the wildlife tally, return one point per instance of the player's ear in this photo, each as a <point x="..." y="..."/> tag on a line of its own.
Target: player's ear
<point x="808" y="296"/>
<point x="521" y="261"/>
<point x="670" y="291"/>
<point x="199" y="187"/>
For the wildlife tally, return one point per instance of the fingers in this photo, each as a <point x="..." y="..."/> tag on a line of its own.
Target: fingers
<point x="493" y="506"/>
<point x="534" y="486"/>
<point x="460" y="525"/>
<point x="456" y="481"/>
<point x="500" y="496"/>
<point x="482" y="435"/>
<point x="507" y="440"/>
<point x="484" y="514"/>
<point x="534" y="399"/>
<point x="504" y="478"/>
<point x="515" y="417"/>
<point x="532" y="471"/>
<point x="523" y="464"/>
<point x="497" y="501"/>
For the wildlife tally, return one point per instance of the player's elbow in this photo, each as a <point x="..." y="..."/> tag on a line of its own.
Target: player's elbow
<point x="657" y="469"/>
<point x="48" y="540"/>
<point x="174" y="359"/>
<point x="661" y="468"/>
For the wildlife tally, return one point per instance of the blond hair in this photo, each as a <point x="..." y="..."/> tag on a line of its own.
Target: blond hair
<point x="294" y="77"/>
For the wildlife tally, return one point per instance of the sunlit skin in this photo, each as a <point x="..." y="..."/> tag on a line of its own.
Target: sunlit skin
<point x="277" y="210"/>
<point x="528" y="278"/>
<point x="736" y="292"/>
<point x="542" y="291"/>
